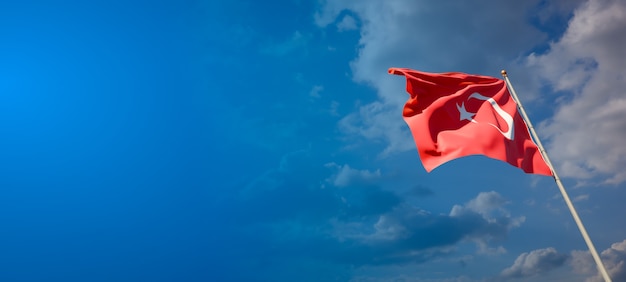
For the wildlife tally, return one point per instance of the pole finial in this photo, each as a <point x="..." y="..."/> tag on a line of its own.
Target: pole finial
<point x="503" y="72"/>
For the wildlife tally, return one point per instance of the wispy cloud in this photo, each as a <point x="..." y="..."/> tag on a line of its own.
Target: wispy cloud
<point x="285" y="47"/>
<point x="347" y="175"/>
<point x="581" y="198"/>
<point x="347" y="23"/>
<point x="316" y="90"/>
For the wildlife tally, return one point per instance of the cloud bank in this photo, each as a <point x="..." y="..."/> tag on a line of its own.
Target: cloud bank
<point x="534" y="263"/>
<point x="414" y="34"/>
<point x="303" y="217"/>
<point x="614" y="259"/>
<point x="584" y="67"/>
<point x="587" y="64"/>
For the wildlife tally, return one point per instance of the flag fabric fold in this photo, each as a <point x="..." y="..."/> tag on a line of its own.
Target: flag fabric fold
<point x="453" y="115"/>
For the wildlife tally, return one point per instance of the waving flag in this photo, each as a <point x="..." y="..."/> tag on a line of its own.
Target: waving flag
<point x="452" y="115"/>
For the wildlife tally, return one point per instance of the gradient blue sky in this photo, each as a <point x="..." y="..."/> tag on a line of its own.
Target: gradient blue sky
<point x="263" y="141"/>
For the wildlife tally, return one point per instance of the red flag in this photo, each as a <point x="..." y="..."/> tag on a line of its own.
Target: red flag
<point x="452" y="115"/>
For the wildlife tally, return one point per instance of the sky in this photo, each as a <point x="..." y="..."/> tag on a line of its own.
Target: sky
<point x="264" y="141"/>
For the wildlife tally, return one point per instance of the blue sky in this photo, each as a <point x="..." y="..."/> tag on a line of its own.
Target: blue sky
<point x="263" y="141"/>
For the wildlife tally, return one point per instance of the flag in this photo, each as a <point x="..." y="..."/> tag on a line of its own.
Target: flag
<point x="452" y="115"/>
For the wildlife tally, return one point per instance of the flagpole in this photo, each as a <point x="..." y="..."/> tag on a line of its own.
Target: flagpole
<point x="581" y="227"/>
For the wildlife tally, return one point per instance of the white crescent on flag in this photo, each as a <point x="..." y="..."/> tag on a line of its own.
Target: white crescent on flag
<point x="465" y="115"/>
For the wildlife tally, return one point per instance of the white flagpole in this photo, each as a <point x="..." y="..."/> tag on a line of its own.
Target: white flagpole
<point x="581" y="227"/>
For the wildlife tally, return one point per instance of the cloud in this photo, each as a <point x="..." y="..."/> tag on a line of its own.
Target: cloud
<point x="294" y="214"/>
<point x="334" y="108"/>
<point x="295" y="42"/>
<point x="379" y="122"/>
<point x="586" y="63"/>
<point x="316" y="90"/>
<point x="424" y="35"/>
<point x="582" y="262"/>
<point x="409" y="278"/>
<point x="297" y="190"/>
<point x="549" y="13"/>
<point x="534" y="263"/>
<point x="490" y="205"/>
<point x="350" y="224"/>
<point x="484" y="204"/>
<point x="347" y="23"/>
<point x="347" y="176"/>
<point x="581" y="198"/>
<point x="410" y="234"/>
<point x="614" y="259"/>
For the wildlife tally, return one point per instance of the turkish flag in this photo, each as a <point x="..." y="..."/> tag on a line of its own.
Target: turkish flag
<point x="452" y="115"/>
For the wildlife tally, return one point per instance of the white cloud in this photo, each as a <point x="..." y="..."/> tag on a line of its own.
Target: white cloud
<point x="388" y="228"/>
<point x="316" y="90"/>
<point x="581" y="198"/>
<point x="490" y="205"/>
<point x="296" y="41"/>
<point x="348" y="176"/>
<point x="587" y="132"/>
<point x="486" y="202"/>
<point x="377" y="121"/>
<point x="410" y="229"/>
<point x="585" y="135"/>
<point x="409" y="278"/>
<point x="614" y="259"/>
<point x="582" y="262"/>
<point x="559" y="10"/>
<point x="347" y="23"/>
<point x="534" y="263"/>
<point x="334" y="108"/>
<point x="429" y="36"/>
